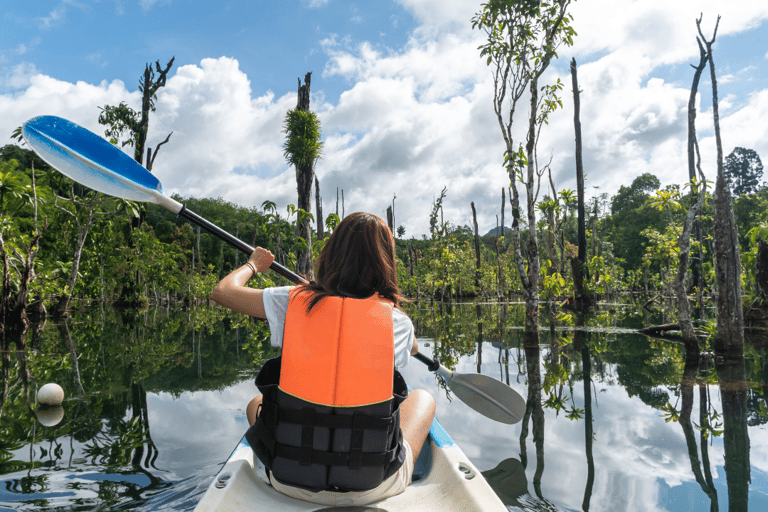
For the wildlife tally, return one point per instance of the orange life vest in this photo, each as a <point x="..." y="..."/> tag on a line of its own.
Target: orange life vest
<point x="330" y="412"/>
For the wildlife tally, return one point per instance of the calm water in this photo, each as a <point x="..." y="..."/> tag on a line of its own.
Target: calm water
<point x="155" y="403"/>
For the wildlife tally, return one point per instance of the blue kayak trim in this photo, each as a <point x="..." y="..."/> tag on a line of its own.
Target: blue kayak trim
<point x="63" y="136"/>
<point x="439" y="435"/>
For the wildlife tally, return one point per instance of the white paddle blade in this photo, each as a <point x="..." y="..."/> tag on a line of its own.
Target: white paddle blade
<point x="90" y="160"/>
<point x="488" y="396"/>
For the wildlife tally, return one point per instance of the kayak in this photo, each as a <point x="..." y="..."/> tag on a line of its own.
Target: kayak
<point x="443" y="480"/>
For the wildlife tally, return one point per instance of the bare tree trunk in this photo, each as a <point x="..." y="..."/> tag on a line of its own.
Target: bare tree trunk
<point x="319" y="211"/>
<point x="304" y="175"/>
<point x="503" y="234"/>
<point x="199" y="254"/>
<point x="678" y="283"/>
<point x="503" y="231"/>
<point x="499" y="271"/>
<point x="82" y="234"/>
<point x="582" y="273"/>
<point x="477" y="250"/>
<point x="729" y="336"/>
<point x="697" y="264"/>
<point x="531" y="284"/>
<point x="761" y="275"/>
<point x="692" y="221"/>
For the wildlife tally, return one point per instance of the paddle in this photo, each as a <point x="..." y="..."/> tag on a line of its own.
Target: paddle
<point x="90" y="160"/>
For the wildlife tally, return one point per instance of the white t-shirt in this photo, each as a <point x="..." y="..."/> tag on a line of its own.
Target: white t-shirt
<point x="276" y="306"/>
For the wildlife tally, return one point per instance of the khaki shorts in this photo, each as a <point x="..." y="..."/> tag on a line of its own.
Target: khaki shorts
<point x="392" y="486"/>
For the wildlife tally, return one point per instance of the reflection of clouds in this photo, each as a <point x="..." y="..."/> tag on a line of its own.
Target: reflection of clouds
<point x="198" y="426"/>
<point x="641" y="461"/>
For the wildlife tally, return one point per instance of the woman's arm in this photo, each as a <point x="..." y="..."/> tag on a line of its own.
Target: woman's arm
<point x="414" y="347"/>
<point x="232" y="293"/>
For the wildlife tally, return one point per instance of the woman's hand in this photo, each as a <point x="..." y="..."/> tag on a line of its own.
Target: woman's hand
<point x="261" y="259"/>
<point x="231" y="291"/>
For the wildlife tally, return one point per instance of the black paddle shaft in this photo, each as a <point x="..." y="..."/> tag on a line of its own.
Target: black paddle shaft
<point x="236" y="243"/>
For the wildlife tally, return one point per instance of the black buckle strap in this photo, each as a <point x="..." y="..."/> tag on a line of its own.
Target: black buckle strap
<point x="356" y="440"/>
<point x="307" y="435"/>
<point x="325" y="420"/>
<point x="381" y="459"/>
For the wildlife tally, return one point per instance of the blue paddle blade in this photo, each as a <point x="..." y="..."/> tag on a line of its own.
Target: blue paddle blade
<point x="88" y="159"/>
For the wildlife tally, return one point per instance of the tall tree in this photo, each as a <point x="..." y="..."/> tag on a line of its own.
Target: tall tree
<point x="302" y="148"/>
<point x="743" y="170"/>
<point x="729" y="336"/>
<point x="694" y="159"/>
<point x="522" y="39"/>
<point x="630" y="215"/>
<point x="579" y="264"/>
<point x="123" y="120"/>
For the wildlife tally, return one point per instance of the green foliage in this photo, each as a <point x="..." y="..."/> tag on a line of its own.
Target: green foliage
<point x="631" y="214"/>
<point x="743" y="170"/>
<point x="121" y="120"/>
<point x="302" y="145"/>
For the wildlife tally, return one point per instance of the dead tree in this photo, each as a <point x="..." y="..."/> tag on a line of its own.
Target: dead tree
<point x="477" y="249"/>
<point x="302" y="149"/>
<point x="579" y="265"/>
<point x="697" y="269"/>
<point x="319" y="211"/>
<point x="692" y="219"/>
<point x="729" y="336"/>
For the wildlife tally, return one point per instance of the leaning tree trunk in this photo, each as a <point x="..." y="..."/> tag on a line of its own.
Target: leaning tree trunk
<point x="697" y="268"/>
<point x="304" y="175"/>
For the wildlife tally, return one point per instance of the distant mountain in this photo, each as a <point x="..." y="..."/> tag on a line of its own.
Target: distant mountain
<point x="496" y="230"/>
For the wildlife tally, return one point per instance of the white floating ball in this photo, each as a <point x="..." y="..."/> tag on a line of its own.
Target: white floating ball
<point x="50" y="416"/>
<point x="50" y="394"/>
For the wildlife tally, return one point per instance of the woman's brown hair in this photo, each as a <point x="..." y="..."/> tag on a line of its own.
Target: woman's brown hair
<point x="357" y="261"/>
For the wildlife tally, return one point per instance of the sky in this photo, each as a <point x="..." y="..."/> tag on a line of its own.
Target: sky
<point x="403" y="97"/>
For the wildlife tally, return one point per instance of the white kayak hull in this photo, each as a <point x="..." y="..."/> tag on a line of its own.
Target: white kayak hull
<point x="444" y="480"/>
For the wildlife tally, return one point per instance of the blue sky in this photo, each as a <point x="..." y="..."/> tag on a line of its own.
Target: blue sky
<point x="403" y="97"/>
<point x="274" y="42"/>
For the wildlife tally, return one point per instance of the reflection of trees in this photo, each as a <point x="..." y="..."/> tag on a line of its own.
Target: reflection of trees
<point x="581" y="342"/>
<point x="65" y="334"/>
<point x="118" y="360"/>
<point x="647" y="369"/>
<point x="704" y="478"/>
<point x="733" y="391"/>
<point x="535" y="411"/>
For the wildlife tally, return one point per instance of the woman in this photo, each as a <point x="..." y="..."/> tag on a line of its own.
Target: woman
<point x="335" y="424"/>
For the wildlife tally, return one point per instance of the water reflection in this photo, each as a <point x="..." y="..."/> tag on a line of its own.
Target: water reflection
<point x="154" y="404"/>
<point x="96" y="449"/>
<point x="600" y="351"/>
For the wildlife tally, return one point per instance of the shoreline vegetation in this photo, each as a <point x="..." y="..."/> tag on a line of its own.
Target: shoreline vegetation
<point x="631" y="248"/>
